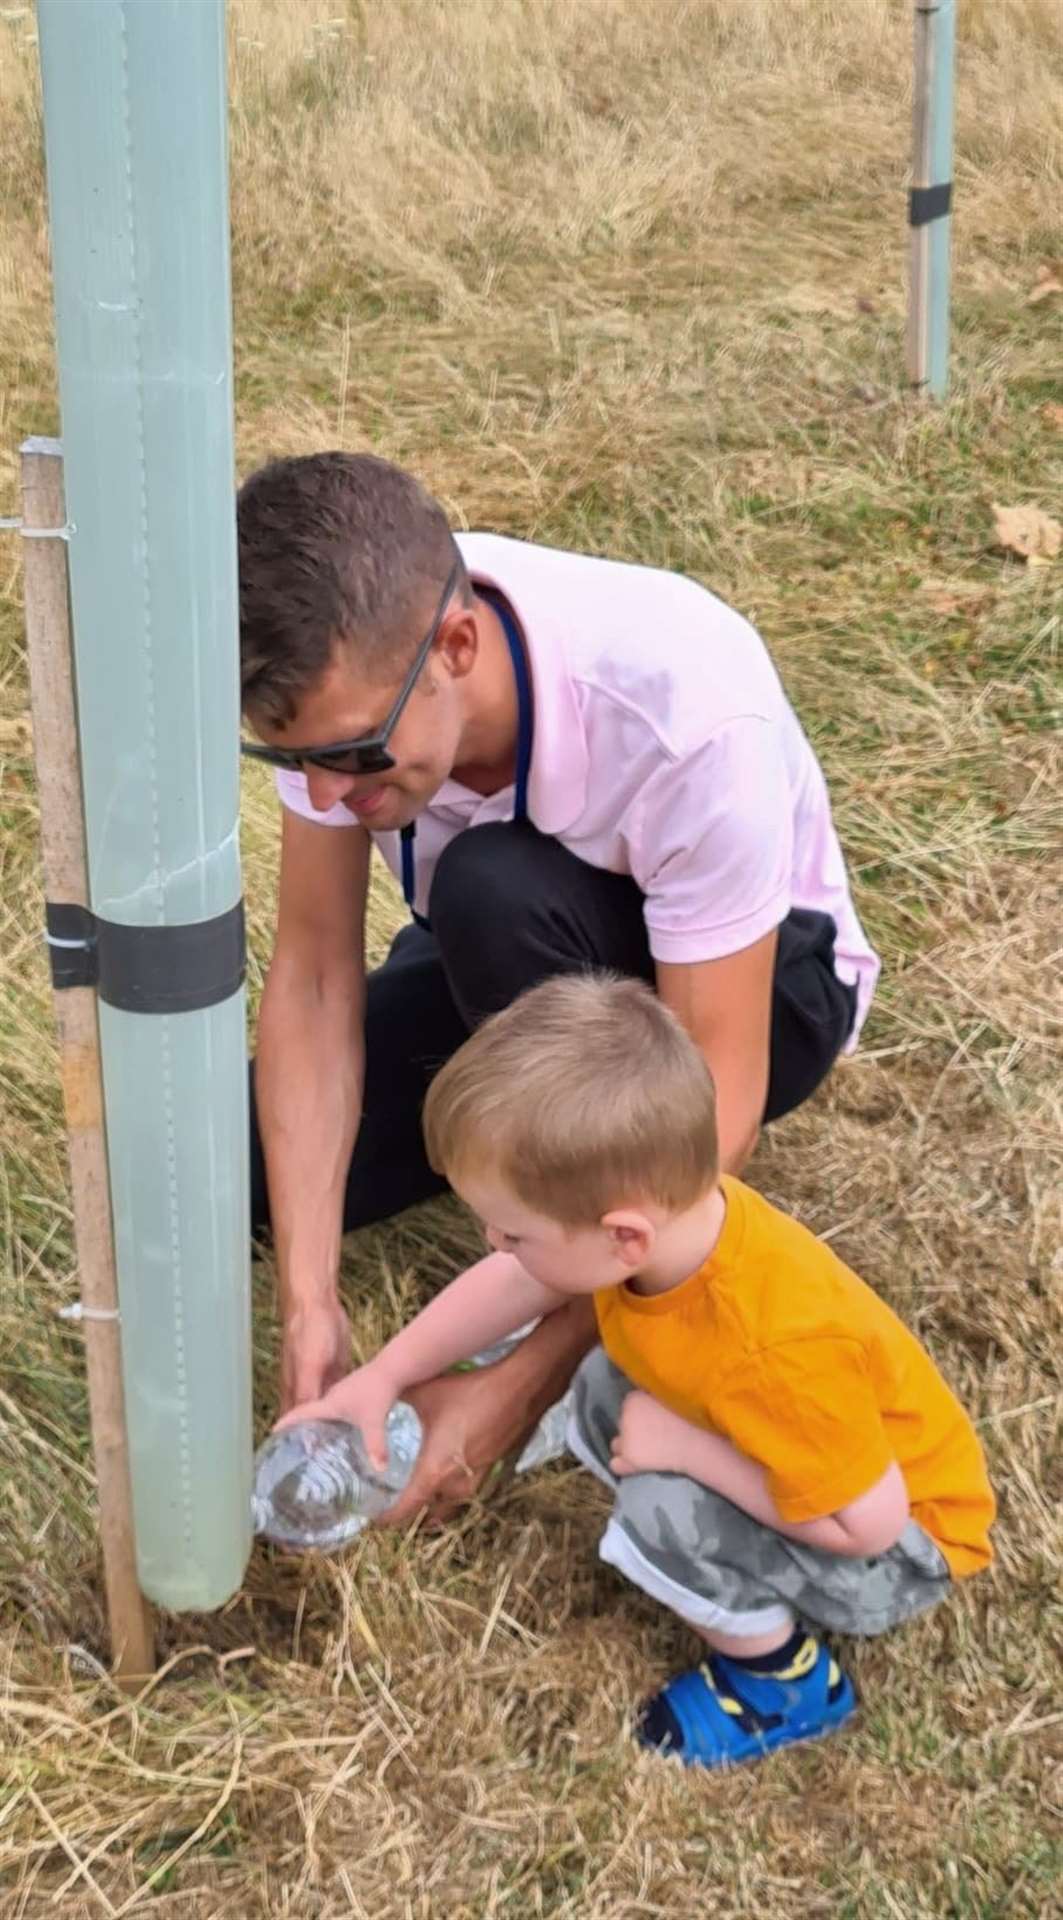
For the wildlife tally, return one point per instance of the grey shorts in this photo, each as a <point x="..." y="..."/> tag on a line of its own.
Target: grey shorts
<point x="716" y="1567"/>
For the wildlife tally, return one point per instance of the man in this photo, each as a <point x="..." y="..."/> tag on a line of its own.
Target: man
<point x="569" y="763"/>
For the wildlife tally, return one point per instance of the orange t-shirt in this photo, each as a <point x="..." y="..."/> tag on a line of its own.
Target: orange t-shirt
<point x="777" y="1345"/>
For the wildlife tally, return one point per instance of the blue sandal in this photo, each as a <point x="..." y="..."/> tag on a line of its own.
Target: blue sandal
<point x="722" y="1714"/>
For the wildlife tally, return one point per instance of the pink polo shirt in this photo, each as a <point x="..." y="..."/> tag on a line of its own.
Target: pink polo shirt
<point x="664" y="748"/>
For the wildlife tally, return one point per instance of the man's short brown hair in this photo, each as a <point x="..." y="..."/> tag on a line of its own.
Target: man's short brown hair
<point x="335" y="549"/>
<point x="585" y="1094"/>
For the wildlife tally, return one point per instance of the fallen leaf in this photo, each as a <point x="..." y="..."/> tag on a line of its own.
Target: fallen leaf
<point x="1049" y="280"/>
<point x="954" y="600"/>
<point x="955" y="596"/>
<point x="1053" y="413"/>
<point x="1034" y="535"/>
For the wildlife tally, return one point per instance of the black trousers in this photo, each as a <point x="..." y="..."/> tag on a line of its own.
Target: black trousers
<point x="509" y="907"/>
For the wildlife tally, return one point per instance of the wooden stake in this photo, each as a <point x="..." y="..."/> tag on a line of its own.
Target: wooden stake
<point x="929" y="214"/>
<point x="51" y="671"/>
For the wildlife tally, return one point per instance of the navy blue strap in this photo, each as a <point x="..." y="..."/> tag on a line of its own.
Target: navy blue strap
<point x="525" y="737"/>
<point x="525" y="712"/>
<point x="409" y="875"/>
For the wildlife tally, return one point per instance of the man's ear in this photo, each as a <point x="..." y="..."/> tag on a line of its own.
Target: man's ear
<point x="457" y="643"/>
<point x="632" y="1235"/>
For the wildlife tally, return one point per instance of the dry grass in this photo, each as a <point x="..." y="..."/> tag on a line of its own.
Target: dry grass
<point x="631" y="278"/>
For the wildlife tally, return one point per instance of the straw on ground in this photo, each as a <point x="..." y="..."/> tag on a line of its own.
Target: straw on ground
<point x="632" y="279"/>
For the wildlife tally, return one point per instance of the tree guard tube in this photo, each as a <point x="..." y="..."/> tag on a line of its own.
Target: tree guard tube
<point x="135" y="138"/>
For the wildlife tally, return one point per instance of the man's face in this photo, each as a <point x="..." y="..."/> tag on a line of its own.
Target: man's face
<point x="344" y="705"/>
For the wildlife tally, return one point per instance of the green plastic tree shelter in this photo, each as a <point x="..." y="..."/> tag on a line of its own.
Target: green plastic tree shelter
<point x="135" y="138"/>
<point x="930" y="205"/>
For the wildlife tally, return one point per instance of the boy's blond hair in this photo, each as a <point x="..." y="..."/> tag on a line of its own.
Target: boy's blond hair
<point x="585" y="1094"/>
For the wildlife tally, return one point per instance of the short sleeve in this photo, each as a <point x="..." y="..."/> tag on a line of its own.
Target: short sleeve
<point x="291" y="787"/>
<point x="808" y="1413"/>
<point x="712" y="844"/>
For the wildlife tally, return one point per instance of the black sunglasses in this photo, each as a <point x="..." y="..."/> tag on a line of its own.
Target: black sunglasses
<point x="369" y="753"/>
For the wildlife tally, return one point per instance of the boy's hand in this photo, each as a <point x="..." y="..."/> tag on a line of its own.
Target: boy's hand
<point x="650" y="1437"/>
<point x="364" y="1399"/>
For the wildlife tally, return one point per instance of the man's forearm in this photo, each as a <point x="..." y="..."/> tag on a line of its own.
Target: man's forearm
<point x="539" y="1370"/>
<point x="740" y="1107"/>
<point x="308" y="1081"/>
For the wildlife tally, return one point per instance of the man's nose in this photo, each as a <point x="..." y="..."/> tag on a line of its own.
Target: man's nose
<point x="325" y="790"/>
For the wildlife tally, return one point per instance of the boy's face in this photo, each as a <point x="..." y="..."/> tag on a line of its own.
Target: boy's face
<point x="575" y="1260"/>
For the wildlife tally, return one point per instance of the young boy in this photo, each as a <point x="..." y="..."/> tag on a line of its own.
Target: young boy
<point x="784" y="1455"/>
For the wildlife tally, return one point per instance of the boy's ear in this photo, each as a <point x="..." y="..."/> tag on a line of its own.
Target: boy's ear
<point x="632" y="1235"/>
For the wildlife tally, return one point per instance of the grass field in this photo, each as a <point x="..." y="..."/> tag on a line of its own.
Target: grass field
<point x="629" y="278"/>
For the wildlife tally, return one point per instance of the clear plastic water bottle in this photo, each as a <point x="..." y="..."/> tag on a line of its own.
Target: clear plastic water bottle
<point x="314" y="1485"/>
<point x="548" y="1440"/>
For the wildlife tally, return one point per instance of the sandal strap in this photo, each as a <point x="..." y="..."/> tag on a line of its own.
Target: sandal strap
<point x="721" y="1683"/>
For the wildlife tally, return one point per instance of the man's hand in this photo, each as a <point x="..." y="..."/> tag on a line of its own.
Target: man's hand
<point x="364" y="1398"/>
<point x="315" y="1351"/>
<point x="469" y="1425"/>
<point x="650" y="1437"/>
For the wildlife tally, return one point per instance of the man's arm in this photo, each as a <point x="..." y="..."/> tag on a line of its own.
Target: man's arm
<point x="725" y="1006"/>
<point x="308" y="1082"/>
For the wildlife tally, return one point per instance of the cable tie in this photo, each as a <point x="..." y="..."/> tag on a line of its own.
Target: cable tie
<point x="38" y="533"/>
<point x="79" y="1311"/>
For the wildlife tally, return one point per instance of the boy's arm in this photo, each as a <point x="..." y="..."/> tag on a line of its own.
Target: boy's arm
<point x="482" y="1305"/>
<point x="652" y="1438"/>
<point x="474" y="1420"/>
<point x="486" y="1302"/>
